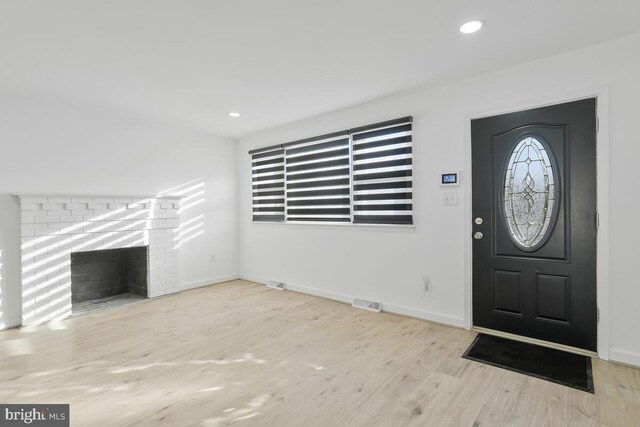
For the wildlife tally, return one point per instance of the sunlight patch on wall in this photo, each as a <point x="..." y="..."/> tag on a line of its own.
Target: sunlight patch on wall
<point x="193" y="194"/>
<point x="188" y="230"/>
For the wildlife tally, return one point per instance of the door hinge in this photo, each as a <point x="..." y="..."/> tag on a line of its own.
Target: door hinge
<point x="597" y="124"/>
<point x="598" y="314"/>
<point x="597" y="220"/>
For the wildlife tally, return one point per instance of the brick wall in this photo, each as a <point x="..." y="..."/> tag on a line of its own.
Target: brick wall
<point x="53" y="226"/>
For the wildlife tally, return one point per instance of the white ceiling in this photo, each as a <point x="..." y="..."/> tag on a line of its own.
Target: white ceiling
<point x="190" y="62"/>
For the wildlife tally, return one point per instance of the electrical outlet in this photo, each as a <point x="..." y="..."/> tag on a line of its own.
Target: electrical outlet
<point x="425" y="279"/>
<point x="212" y="258"/>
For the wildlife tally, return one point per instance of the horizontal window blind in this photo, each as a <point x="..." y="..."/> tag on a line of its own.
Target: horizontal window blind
<point x="361" y="175"/>
<point x="267" y="176"/>
<point x="318" y="179"/>
<point x="382" y="173"/>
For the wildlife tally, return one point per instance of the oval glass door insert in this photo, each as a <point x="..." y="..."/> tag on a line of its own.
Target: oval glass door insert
<point x="530" y="193"/>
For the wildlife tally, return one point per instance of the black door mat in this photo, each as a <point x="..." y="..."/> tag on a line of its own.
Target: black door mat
<point x="568" y="369"/>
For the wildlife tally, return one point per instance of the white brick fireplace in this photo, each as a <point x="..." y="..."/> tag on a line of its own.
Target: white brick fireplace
<point x="52" y="227"/>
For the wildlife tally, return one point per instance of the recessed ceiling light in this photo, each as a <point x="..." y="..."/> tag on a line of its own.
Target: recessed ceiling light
<point x="233" y="114"/>
<point x="471" y="27"/>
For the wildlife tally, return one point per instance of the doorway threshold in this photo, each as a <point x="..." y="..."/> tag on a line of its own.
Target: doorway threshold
<point x="536" y="341"/>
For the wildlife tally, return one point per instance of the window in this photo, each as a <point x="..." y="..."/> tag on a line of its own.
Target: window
<point x="360" y="176"/>
<point x="317" y="177"/>
<point x="530" y="193"/>
<point x="382" y="169"/>
<point x="267" y="172"/>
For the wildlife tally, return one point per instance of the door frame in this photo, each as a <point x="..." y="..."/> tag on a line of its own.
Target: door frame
<point x="602" y="194"/>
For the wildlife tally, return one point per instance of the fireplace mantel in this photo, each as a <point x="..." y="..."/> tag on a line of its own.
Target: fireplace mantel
<point x="97" y="196"/>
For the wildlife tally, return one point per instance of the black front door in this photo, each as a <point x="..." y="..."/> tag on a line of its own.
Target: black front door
<point x="534" y="223"/>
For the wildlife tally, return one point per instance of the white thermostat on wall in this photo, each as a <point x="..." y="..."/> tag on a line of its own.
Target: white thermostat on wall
<point x="450" y="179"/>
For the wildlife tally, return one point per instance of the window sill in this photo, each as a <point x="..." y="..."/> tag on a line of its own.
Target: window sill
<point x="339" y="225"/>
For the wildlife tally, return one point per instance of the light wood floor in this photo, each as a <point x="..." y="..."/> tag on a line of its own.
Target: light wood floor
<point x="238" y="353"/>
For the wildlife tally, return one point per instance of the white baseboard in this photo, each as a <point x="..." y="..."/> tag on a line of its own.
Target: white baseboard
<point x="388" y="308"/>
<point x="303" y="289"/>
<point x="319" y="293"/>
<point x="207" y="282"/>
<point x="255" y="279"/>
<point x="444" y="319"/>
<point x="625" y="357"/>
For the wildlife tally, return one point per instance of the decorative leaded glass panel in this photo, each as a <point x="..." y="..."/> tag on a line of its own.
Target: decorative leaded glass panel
<point x="530" y="193"/>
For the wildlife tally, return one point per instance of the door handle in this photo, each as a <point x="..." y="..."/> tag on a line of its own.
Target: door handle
<point x="478" y="235"/>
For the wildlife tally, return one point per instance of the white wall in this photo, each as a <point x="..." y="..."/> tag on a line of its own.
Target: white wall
<point x="387" y="263"/>
<point x="54" y="146"/>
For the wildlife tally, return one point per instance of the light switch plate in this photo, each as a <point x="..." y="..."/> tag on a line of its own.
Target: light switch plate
<point x="450" y="198"/>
